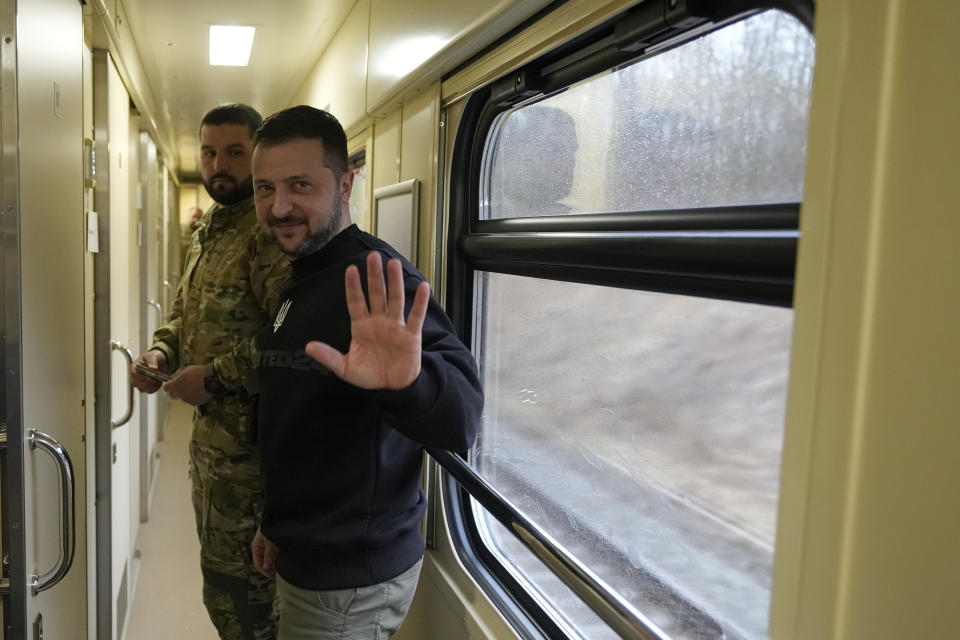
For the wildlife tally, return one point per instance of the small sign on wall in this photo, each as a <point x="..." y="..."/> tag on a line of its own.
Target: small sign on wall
<point x="93" y="232"/>
<point x="396" y="210"/>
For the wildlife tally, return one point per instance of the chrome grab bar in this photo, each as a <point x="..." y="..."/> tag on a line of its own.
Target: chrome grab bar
<point x="156" y="305"/>
<point x="614" y="610"/>
<point x="122" y="348"/>
<point x="69" y="526"/>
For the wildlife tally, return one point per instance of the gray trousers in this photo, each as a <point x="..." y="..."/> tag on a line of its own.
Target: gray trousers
<point x="367" y="613"/>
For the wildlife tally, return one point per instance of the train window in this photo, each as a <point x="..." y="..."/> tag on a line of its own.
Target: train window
<point x="719" y="121"/>
<point x="647" y="442"/>
<point x="359" y="207"/>
<point x="641" y="428"/>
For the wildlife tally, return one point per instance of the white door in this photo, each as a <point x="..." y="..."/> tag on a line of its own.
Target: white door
<point x="42" y="253"/>
<point x="116" y="320"/>
<point x="149" y="205"/>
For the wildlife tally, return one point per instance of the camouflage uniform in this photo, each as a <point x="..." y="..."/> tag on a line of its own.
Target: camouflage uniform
<point x="232" y="278"/>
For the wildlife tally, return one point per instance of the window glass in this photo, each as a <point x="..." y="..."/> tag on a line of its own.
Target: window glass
<point x="359" y="207"/>
<point x="643" y="431"/>
<point x="718" y="121"/>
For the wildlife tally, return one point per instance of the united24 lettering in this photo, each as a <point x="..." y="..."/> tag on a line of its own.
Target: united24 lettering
<point x="298" y="360"/>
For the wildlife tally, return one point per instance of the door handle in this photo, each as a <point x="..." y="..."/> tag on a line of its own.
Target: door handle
<point x="69" y="531"/>
<point x="122" y="348"/>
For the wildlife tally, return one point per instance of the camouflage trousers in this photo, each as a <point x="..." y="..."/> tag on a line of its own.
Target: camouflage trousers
<point x="227" y="502"/>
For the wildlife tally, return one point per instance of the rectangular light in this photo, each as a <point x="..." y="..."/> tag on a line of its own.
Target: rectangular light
<point x="230" y="46"/>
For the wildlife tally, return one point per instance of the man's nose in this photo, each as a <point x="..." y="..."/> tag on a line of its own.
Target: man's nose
<point x="281" y="206"/>
<point x="221" y="163"/>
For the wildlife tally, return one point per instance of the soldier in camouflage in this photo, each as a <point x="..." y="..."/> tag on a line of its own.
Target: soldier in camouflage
<point x="232" y="277"/>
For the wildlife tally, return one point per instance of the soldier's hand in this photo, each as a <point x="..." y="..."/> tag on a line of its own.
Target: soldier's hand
<point x="154" y="359"/>
<point x="188" y="386"/>
<point x="264" y="555"/>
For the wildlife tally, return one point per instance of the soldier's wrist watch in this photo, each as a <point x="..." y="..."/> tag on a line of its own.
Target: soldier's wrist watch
<point x="212" y="383"/>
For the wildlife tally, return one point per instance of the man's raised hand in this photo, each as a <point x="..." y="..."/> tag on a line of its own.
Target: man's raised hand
<point x="384" y="349"/>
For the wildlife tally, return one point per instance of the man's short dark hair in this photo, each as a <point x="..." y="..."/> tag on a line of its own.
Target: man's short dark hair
<point x="235" y="113"/>
<point x="307" y="122"/>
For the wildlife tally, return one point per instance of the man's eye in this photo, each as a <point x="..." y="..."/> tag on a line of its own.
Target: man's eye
<point x="263" y="190"/>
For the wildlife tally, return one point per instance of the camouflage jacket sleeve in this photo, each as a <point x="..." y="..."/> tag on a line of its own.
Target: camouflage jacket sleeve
<point x="167" y="337"/>
<point x="269" y="273"/>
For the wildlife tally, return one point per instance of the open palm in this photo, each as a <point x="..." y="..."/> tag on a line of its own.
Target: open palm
<point x="384" y="349"/>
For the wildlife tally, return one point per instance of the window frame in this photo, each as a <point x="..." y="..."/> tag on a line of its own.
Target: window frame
<point x="740" y="253"/>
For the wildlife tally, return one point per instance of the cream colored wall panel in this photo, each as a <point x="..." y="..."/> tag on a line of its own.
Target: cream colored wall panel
<point x="867" y="529"/>
<point x="904" y="561"/>
<point x="828" y="299"/>
<point x="414" y="44"/>
<point x="386" y="151"/>
<point x="418" y="159"/>
<point x="441" y="609"/>
<point x="338" y="81"/>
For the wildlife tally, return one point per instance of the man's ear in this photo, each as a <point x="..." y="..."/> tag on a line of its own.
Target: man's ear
<point x="346" y="185"/>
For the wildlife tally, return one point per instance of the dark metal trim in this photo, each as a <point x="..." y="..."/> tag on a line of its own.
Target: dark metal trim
<point x="614" y="610"/>
<point x="102" y="349"/>
<point x="11" y="397"/>
<point x="517" y="606"/>
<point x="747" y="266"/>
<point x="746" y="217"/>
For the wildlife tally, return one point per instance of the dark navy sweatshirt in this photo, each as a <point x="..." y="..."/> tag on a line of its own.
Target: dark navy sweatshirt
<point x="341" y="465"/>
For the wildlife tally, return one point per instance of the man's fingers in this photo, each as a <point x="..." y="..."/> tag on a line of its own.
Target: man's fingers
<point x="327" y="356"/>
<point x="419" y="309"/>
<point x="376" y="287"/>
<point x="395" y="289"/>
<point x="155" y="359"/>
<point x="356" y="304"/>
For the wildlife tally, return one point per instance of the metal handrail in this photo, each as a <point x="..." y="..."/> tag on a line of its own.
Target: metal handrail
<point x="69" y="525"/>
<point x="156" y="305"/>
<point x="122" y="348"/>
<point x="4" y="582"/>
<point x="598" y="595"/>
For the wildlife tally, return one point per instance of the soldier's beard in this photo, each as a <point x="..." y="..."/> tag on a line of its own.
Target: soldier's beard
<point x="227" y="196"/>
<point x="313" y="242"/>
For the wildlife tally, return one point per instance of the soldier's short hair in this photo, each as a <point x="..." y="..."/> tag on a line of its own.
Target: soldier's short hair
<point x="234" y="113"/>
<point x="307" y="122"/>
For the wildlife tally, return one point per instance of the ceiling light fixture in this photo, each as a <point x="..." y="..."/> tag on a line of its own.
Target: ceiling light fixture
<point x="230" y="46"/>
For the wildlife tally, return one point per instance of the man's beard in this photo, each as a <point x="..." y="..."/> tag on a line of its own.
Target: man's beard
<point x="313" y="242"/>
<point x="227" y="196"/>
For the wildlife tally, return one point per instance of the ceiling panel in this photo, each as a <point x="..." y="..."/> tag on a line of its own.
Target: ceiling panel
<point x="173" y="36"/>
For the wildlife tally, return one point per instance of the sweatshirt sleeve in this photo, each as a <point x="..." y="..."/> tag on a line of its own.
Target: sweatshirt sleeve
<point x="442" y="407"/>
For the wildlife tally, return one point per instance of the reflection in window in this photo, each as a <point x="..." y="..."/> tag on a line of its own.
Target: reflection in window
<point x="644" y="432"/>
<point x="359" y="207"/>
<point x="719" y="121"/>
